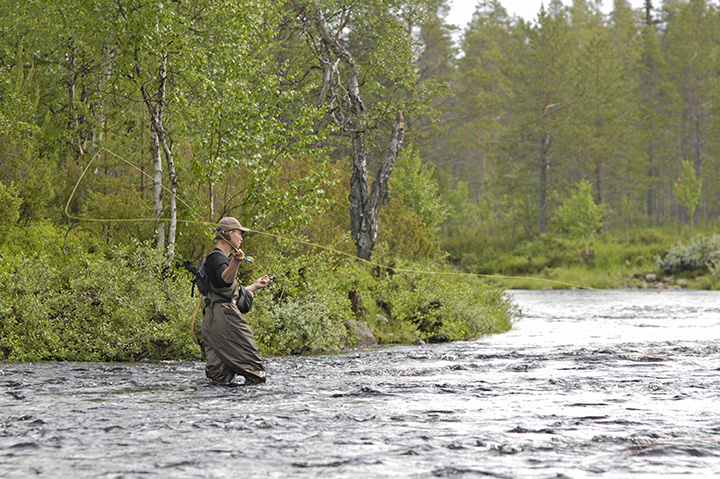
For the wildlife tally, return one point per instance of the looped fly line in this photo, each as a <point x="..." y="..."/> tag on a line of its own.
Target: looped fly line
<point x="276" y="236"/>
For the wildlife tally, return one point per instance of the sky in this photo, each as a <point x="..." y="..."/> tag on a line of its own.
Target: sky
<point x="462" y="10"/>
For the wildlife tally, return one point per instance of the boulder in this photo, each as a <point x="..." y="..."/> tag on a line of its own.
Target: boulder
<point x="362" y="332"/>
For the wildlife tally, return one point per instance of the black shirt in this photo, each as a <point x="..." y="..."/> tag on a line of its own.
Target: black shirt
<point x="216" y="263"/>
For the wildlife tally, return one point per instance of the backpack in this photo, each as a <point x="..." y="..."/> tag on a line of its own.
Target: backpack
<point x="201" y="280"/>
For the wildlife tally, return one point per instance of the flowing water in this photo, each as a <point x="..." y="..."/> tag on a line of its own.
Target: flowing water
<point x="609" y="384"/>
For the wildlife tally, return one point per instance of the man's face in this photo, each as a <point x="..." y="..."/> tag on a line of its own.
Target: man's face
<point x="236" y="238"/>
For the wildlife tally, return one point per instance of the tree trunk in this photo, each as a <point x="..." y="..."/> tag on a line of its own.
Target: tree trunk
<point x="364" y="207"/>
<point x="211" y="198"/>
<point x="368" y="231"/>
<point x="157" y="189"/>
<point x="651" y="169"/>
<point x="599" y="179"/>
<point x="156" y="107"/>
<point x="358" y="185"/>
<point x="172" y="174"/>
<point x="544" y="167"/>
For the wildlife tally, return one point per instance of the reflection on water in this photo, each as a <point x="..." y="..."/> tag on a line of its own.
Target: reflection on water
<point x="587" y="384"/>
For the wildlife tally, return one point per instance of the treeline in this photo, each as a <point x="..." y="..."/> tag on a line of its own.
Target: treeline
<point x="128" y="126"/>
<point x="621" y="101"/>
<point x="252" y="109"/>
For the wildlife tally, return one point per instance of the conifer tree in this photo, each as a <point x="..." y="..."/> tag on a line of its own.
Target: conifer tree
<point x="544" y="86"/>
<point x="483" y="92"/>
<point x="691" y="72"/>
<point x="651" y="61"/>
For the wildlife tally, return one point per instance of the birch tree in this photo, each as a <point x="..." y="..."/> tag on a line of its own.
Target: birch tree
<point x="151" y="38"/>
<point x="687" y="191"/>
<point x="581" y="216"/>
<point x="365" y="56"/>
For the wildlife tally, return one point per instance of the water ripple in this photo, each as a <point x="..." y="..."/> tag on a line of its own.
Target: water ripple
<point x="587" y="384"/>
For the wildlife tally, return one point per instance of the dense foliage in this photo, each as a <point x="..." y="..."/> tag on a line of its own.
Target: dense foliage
<point x="626" y="101"/>
<point x="91" y="302"/>
<point x="77" y="299"/>
<point x="335" y="128"/>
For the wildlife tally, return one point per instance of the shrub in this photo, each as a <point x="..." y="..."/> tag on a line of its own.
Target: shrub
<point x="126" y="303"/>
<point x="121" y="304"/>
<point x="700" y="254"/>
<point x="9" y="209"/>
<point x="431" y="304"/>
<point x="405" y="234"/>
<point x="304" y="307"/>
<point x="300" y="325"/>
<point x="581" y="216"/>
<point x="414" y="182"/>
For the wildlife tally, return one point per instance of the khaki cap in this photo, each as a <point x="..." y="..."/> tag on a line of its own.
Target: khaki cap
<point x="228" y="224"/>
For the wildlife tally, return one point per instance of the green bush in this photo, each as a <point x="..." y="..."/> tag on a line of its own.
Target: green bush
<point x="304" y="307"/>
<point x="429" y="302"/>
<point x="700" y="254"/>
<point x="121" y="304"/>
<point x="313" y="294"/>
<point x="45" y="240"/>
<point x="9" y="209"/>
<point x="414" y="182"/>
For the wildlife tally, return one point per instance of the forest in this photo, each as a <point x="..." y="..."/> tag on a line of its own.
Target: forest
<point x="389" y="175"/>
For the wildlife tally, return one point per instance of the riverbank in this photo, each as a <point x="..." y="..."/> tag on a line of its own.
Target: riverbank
<point x="650" y="258"/>
<point x="126" y="303"/>
<point x="590" y="279"/>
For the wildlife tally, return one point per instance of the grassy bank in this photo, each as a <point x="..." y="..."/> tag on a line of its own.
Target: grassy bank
<point x="642" y="258"/>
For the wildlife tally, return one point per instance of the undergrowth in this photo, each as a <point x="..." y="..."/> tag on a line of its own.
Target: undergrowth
<point x="78" y="299"/>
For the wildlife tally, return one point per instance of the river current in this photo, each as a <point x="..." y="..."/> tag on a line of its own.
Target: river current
<point x="587" y="384"/>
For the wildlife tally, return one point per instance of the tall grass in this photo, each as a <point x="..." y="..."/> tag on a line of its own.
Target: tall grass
<point x="618" y="259"/>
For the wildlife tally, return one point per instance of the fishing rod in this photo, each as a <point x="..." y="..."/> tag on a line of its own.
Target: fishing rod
<point x="247" y="259"/>
<point x="202" y="220"/>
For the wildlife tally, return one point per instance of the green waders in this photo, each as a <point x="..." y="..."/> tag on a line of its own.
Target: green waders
<point x="227" y="338"/>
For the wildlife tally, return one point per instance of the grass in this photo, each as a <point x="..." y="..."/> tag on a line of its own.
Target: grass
<point x="619" y="259"/>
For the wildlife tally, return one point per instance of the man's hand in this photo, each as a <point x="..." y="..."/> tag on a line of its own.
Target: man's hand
<point x="239" y="255"/>
<point x="263" y="282"/>
<point x="259" y="284"/>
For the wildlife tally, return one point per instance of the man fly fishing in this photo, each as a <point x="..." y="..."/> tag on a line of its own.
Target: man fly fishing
<point x="227" y="338"/>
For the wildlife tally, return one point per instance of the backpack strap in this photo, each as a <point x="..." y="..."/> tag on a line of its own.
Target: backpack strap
<point x="194" y="285"/>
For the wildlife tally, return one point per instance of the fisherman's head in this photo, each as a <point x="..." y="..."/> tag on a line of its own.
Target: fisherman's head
<point x="227" y="228"/>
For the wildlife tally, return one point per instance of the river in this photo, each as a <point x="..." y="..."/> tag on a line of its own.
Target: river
<point x="587" y="384"/>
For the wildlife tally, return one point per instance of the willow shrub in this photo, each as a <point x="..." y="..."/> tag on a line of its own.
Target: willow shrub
<point x="700" y="254"/>
<point x="98" y="303"/>
<point x="120" y="304"/>
<point x="304" y="308"/>
<point x="311" y="296"/>
<point x="440" y="307"/>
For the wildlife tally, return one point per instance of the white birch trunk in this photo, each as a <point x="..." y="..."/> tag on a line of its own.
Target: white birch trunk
<point x="157" y="189"/>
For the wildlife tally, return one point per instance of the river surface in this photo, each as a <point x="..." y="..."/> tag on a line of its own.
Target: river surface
<point x="588" y="384"/>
